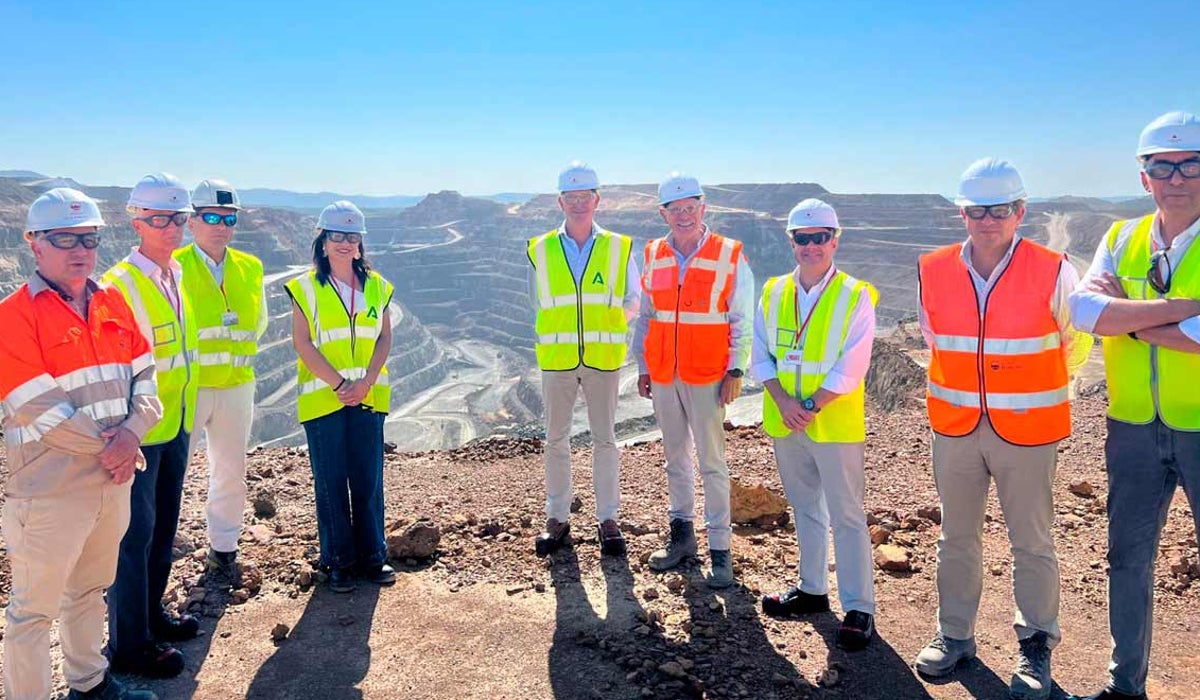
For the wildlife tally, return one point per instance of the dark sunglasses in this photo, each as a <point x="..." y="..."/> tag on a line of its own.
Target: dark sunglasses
<point x="996" y="211"/>
<point x="1165" y="169"/>
<point x="179" y="218"/>
<point x="67" y="241"/>
<point x="1159" y="260"/>
<point x="213" y="218"/>
<point x="818" y="238"/>
<point x="340" y="236"/>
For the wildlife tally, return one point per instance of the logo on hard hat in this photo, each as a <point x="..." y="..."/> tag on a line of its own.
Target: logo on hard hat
<point x="349" y="219"/>
<point x="808" y="214"/>
<point x="76" y="206"/>
<point x="1173" y="138"/>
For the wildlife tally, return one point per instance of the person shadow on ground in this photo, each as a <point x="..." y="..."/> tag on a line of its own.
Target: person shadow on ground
<point x="720" y="648"/>
<point x="328" y="652"/>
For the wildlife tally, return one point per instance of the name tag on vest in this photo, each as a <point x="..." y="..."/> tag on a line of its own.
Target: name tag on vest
<point x="792" y="358"/>
<point x="229" y="318"/>
<point x="164" y="334"/>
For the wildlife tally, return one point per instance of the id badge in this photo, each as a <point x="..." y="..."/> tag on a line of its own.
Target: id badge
<point x="792" y="358"/>
<point x="229" y="318"/>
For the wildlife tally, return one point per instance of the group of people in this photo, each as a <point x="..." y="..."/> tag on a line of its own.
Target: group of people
<point x="106" y="387"/>
<point x="1008" y="323"/>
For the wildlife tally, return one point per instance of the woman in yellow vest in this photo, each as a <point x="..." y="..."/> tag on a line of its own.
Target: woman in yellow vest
<point x="812" y="346"/>
<point x="342" y="332"/>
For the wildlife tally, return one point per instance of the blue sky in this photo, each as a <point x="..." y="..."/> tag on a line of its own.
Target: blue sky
<point x="491" y="96"/>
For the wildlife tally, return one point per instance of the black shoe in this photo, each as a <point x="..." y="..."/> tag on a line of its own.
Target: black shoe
<point x="175" y="629"/>
<point x="153" y="661"/>
<point x="341" y="580"/>
<point x="110" y="689"/>
<point x="383" y="575"/>
<point x="856" y="630"/>
<point x="556" y="536"/>
<point x="612" y="542"/>
<point x="794" y="602"/>
<point x="1110" y="694"/>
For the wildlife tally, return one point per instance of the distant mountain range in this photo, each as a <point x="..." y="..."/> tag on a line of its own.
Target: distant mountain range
<point x="286" y="199"/>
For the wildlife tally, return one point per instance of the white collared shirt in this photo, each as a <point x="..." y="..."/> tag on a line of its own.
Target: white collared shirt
<point x="217" y="270"/>
<point x="169" y="282"/>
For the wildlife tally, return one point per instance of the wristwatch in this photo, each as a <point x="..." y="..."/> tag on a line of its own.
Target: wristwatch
<point x="810" y="405"/>
<point x="735" y="373"/>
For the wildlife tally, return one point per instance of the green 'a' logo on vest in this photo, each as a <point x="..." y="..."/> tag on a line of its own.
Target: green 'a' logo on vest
<point x="598" y="279"/>
<point x="371" y="313"/>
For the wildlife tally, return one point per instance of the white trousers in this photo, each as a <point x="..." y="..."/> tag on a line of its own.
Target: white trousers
<point x="225" y="416"/>
<point x="692" y="414"/>
<point x="962" y="470"/>
<point x="824" y="482"/>
<point x="63" y="552"/>
<point x="559" y="392"/>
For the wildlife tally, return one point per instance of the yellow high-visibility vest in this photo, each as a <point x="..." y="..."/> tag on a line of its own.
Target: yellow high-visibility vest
<point x="844" y="418"/>
<point x="585" y="323"/>
<point x="346" y="343"/>
<point x="174" y="348"/>
<point x="1146" y="380"/>
<point x="226" y="351"/>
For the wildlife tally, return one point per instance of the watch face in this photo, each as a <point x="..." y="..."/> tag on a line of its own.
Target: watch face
<point x="809" y="404"/>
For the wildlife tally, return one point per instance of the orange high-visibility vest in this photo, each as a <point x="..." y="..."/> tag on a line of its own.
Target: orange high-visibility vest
<point x="688" y="335"/>
<point x="1005" y="359"/>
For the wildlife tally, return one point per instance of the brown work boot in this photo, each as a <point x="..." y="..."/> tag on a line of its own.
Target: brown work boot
<point x="556" y="536"/>
<point x="612" y="542"/>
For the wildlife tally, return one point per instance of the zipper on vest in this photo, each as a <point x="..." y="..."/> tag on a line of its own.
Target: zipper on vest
<point x="578" y="293"/>
<point x="979" y="362"/>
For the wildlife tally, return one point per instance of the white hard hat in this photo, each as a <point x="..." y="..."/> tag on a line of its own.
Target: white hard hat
<point x="989" y="181"/>
<point x="812" y="213"/>
<point x="62" y="207"/>
<point x="578" y="176"/>
<point x="342" y="216"/>
<point x="162" y="191"/>
<point x="1173" y="131"/>
<point x="678" y="186"/>
<point x="215" y="193"/>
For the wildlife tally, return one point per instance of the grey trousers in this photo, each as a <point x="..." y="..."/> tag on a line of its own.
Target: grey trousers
<point x="1145" y="463"/>
<point x="560" y="390"/>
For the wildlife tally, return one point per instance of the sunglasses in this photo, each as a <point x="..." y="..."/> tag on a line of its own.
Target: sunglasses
<point x="1159" y="260"/>
<point x="818" y="238"/>
<point x="179" y="218"/>
<point x="1165" y="169"/>
<point x="213" y="218"/>
<point x="996" y="211"/>
<point x="68" y="241"/>
<point x="342" y="236"/>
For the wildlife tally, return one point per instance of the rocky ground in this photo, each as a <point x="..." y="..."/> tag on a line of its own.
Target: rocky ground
<point x="484" y="618"/>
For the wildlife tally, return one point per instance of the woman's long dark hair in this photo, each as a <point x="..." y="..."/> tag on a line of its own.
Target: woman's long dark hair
<point x="362" y="266"/>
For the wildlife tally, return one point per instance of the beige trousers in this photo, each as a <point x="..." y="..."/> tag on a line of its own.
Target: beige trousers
<point x="63" y="552"/>
<point x="1024" y="476"/>
<point x="560" y="391"/>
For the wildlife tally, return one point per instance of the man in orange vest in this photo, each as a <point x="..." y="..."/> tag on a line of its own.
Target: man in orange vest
<point x="78" y="392"/>
<point x="692" y="343"/>
<point x="994" y="314"/>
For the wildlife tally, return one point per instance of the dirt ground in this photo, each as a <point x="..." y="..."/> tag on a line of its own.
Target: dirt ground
<point x="485" y="618"/>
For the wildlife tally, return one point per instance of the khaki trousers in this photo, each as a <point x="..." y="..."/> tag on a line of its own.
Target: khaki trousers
<point x="560" y="390"/>
<point x="63" y="552"/>
<point x="692" y="414"/>
<point x="226" y="416"/>
<point x="1024" y="476"/>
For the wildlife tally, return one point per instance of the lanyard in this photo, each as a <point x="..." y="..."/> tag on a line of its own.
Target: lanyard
<point x="353" y="293"/>
<point x="172" y="294"/>
<point x="800" y="327"/>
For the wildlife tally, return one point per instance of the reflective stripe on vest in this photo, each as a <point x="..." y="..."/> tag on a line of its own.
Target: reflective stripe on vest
<point x="175" y="351"/>
<point x="1145" y="380"/>
<point x="226" y="353"/>
<point x="584" y="323"/>
<point x="688" y="335"/>
<point x="1007" y="360"/>
<point x="347" y="348"/>
<point x="844" y="418"/>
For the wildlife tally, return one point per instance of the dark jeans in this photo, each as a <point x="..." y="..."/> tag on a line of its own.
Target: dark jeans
<point x="144" y="562"/>
<point x="346" y="452"/>
<point x="1145" y="464"/>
